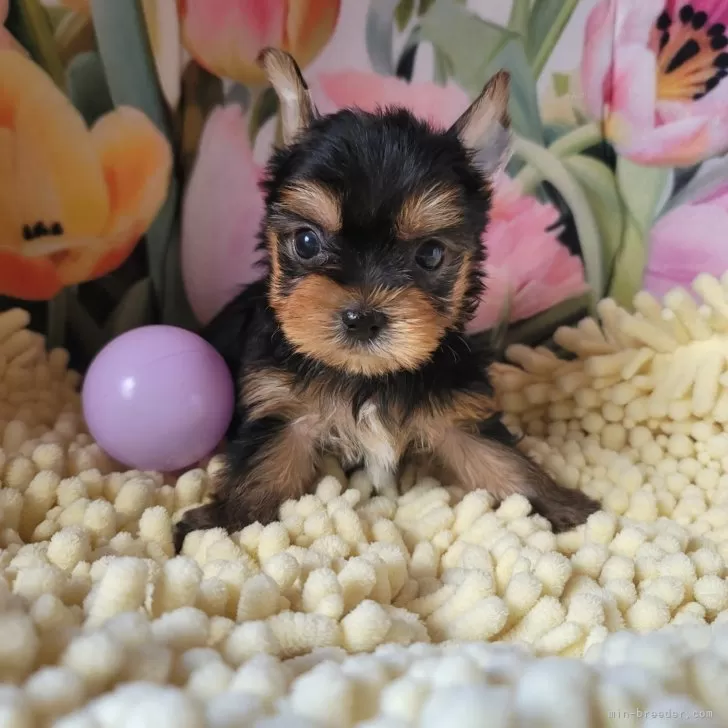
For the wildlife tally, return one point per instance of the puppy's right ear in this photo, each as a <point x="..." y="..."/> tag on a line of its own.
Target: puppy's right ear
<point x="296" y="106"/>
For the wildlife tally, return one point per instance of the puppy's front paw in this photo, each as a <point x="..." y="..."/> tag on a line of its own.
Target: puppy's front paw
<point x="564" y="508"/>
<point x="197" y="519"/>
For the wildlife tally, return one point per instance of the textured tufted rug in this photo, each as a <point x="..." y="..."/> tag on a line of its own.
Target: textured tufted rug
<point x="356" y="608"/>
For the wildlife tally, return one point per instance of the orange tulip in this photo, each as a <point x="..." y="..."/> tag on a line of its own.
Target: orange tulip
<point x="73" y="201"/>
<point x="226" y="36"/>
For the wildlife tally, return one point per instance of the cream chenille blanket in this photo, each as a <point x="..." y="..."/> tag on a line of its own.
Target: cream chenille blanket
<point x="427" y="609"/>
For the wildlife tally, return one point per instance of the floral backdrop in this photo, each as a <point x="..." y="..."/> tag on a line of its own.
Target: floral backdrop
<point x="133" y="135"/>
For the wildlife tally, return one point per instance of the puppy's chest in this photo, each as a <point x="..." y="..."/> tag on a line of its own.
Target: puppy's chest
<point x="370" y="439"/>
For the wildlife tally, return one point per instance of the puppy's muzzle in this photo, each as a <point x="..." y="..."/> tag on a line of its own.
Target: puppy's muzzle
<point x="363" y="324"/>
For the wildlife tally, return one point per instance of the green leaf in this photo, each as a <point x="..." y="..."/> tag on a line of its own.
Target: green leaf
<point x="128" y="63"/>
<point x="38" y="29"/>
<point x="641" y="189"/>
<point x="134" y="309"/>
<point x="202" y="91"/>
<point x="523" y="106"/>
<point x="477" y="49"/>
<point x="123" y="45"/>
<point x="379" y="33"/>
<point x="545" y="25"/>
<point x="87" y="86"/>
<point x="57" y="14"/>
<point x="600" y="188"/>
<point x="629" y="265"/>
<point x="403" y="13"/>
<point x="561" y="82"/>
<point x="74" y="34"/>
<point x="87" y="332"/>
<point x="442" y="67"/>
<point x="470" y="42"/>
<point x="425" y="5"/>
<point x="180" y="312"/>
<point x="57" y="319"/>
<point x="553" y="170"/>
<point x="518" y="19"/>
<point x="264" y="108"/>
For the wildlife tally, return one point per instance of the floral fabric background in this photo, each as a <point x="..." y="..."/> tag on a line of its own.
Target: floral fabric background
<point x="133" y="134"/>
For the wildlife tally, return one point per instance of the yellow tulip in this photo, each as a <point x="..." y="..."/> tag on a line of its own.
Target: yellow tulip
<point x="74" y="201"/>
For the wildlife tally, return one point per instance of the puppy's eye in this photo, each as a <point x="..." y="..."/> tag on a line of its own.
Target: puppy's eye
<point x="306" y="243"/>
<point x="430" y="255"/>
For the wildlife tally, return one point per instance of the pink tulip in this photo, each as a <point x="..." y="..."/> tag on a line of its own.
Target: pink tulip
<point x="223" y="206"/>
<point x="226" y="36"/>
<point x="687" y="241"/>
<point x="221" y="215"/>
<point x="526" y="263"/>
<point x="655" y="72"/>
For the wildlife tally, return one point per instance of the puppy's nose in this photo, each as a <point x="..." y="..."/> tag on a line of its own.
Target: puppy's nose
<point x="363" y="324"/>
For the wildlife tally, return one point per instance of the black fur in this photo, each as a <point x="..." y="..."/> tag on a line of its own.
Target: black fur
<point x="374" y="162"/>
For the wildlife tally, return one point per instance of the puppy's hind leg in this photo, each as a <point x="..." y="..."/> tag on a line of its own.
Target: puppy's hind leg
<point x="479" y="462"/>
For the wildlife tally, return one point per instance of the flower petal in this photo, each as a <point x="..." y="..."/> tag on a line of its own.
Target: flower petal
<point x="369" y="91"/>
<point x="597" y="55"/>
<point x="57" y="174"/>
<point x="309" y="25"/>
<point x="29" y="279"/>
<point x="679" y="144"/>
<point x="634" y="68"/>
<point x="526" y="261"/>
<point x="137" y="162"/>
<point x="221" y="215"/>
<point x="636" y="20"/>
<point x="10" y="224"/>
<point x="687" y="241"/>
<point x="226" y="36"/>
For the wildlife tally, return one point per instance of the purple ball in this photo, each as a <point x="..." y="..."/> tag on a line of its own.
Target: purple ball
<point x="158" y="398"/>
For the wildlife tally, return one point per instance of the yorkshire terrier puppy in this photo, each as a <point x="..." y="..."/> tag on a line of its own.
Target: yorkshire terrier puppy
<point x="353" y="343"/>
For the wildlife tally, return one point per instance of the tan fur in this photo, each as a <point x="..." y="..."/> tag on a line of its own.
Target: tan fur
<point x="313" y="202"/>
<point x="296" y="107"/>
<point x="484" y="127"/>
<point x="489" y="109"/>
<point x="310" y="313"/>
<point x="442" y="441"/>
<point x="460" y="286"/>
<point x="330" y="425"/>
<point x="428" y="213"/>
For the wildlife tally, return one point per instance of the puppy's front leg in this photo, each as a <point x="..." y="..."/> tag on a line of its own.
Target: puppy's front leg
<point x="478" y="461"/>
<point x="270" y="461"/>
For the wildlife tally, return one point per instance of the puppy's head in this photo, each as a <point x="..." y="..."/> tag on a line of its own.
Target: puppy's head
<point x="373" y="224"/>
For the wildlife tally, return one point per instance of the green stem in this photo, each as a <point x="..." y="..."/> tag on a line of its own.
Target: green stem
<point x="573" y="142"/>
<point x="57" y="317"/>
<point x="552" y="169"/>
<point x="518" y="19"/>
<point x="556" y="28"/>
<point x="629" y="265"/>
<point x="89" y="333"/>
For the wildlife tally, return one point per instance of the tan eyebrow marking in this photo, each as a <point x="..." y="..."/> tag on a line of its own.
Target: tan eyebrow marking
<point x="313" y="202"/>
<point x="425" y="213"/>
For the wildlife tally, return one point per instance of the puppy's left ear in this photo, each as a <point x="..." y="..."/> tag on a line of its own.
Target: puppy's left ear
<point x="296" y="106"/>
<point x="485" y="127"/>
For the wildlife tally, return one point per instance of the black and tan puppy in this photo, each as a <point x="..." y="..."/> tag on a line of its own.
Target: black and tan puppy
<point x="353" y="343"/>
